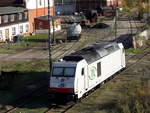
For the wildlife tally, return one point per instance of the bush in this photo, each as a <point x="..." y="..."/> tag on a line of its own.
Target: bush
<point x="134" y="98"/>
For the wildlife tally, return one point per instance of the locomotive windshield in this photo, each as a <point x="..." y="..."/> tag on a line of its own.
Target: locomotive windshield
<point x="63" y="71"/>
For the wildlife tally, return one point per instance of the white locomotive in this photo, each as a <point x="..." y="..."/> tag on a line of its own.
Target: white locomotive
<point x="80" y="72"/>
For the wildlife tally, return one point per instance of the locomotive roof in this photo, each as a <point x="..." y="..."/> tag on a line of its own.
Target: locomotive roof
<point x="93" y="52"/>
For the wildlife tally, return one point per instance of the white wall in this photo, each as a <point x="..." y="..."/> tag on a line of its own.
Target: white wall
<point x="140" y="39"/>
<point x="17" y="26"/>
<point x="46" y="30"/>
<point x="34" y="4"/>
<point x="145" y="34"/>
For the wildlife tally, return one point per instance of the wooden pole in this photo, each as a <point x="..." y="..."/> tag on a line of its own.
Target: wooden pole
<point x="49" y="37"/>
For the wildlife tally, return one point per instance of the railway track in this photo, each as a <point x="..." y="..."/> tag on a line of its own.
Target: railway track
<point x="20" y="102"/>
<point x="89" y="36"/>
<point x="66" y="108"/>
<point x="27" y="99"/>
<point x="72" y="47"/>
<point x="115" y="79"/>
<point x="28" y="95"/>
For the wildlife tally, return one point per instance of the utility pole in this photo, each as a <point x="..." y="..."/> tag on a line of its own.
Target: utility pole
<point x="49" y="37"/>
<point x="53" y="23"/>
<point x="116" y="26"/>
<point x="116" y="17"/>
<point x="148" y="8"/>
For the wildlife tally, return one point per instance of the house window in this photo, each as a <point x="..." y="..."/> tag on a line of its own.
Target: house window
<point x="27" y="28"/>
<point x="20" y="16"/>
<point x="13" y="31"/>
<point x="98" y="69"/>
<point x="12" y="18"/>
<point x="0" y="19"/>
<point x="5" y="18"/>
<point x="21" y="29"/>
<point x="1" y="35"/>
<point x="25" y="15"/>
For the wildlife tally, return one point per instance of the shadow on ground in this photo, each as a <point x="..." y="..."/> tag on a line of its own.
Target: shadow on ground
<point x="16" y="86"/>
<point x="126" y="40"/>
<point x="36" y="40"/>
<point x="101" y="25"/>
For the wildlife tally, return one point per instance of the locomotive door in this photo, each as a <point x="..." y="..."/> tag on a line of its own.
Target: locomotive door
<point x="7" y="34"/>
<point x="122" y="55"/>
<point x="85" y="78"/>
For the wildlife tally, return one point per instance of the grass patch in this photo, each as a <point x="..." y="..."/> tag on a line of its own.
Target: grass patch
<point x="30" y="66"/>
<point x="134" y="99"/>
<point x="92" y="103"/>
<point x="27" y="43"/>
<point x="13" y="48"/>
<point x="18" y="73"/>
<point x="36" y="38"/>
<point x="131" y="98"/>
<point x="132" y="50"/>
<point x="147" y="27"/>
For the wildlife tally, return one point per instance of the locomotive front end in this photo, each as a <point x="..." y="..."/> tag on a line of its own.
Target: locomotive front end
<point x="62" y="79"/>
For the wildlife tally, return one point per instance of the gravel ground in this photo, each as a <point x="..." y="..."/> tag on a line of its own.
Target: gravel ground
<point x="101" y="101"/>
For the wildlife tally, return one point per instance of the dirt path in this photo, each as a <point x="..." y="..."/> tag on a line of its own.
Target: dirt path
<point x="28" y="55"/>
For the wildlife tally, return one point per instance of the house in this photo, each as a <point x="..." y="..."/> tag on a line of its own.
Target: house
<point x="42" y="26"/>
<point x="13" y="21"/>
<point x="35" y="8"/>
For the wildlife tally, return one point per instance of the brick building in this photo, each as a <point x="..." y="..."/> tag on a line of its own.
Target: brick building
<point x="94" y="4"/>
<point x="70" y="6"/>
<point x="37" y="8"/>
<point x="41" y="24"/>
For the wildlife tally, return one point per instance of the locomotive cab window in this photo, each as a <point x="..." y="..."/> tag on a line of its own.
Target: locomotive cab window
<point x="69" y="71"/>
<point x="57" y="71"/>
<point x="98" y="69"/>
<point x="63" y="71"/>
